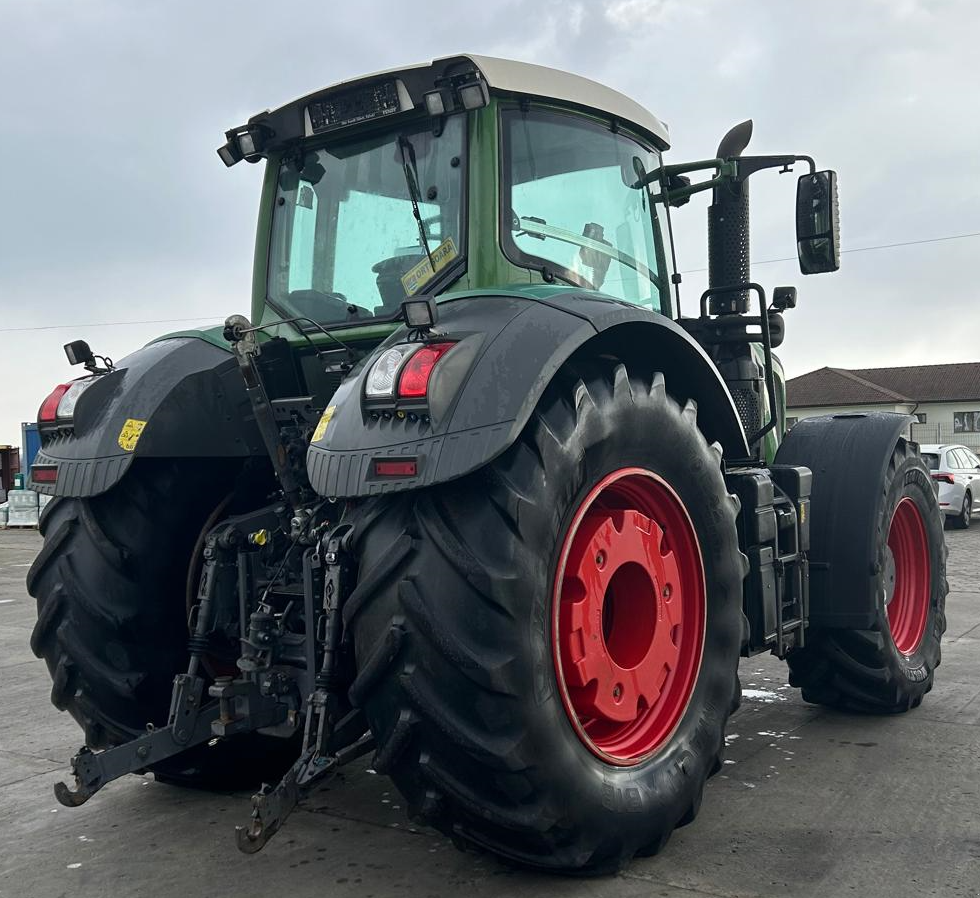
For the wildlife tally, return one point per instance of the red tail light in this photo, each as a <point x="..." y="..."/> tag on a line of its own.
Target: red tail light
<point x="414" y="380"/>
<point x="944" y="478"/>
<point x="49" y="408"/>
<point x="399" y="467"/>
<point x="44" y="473"/>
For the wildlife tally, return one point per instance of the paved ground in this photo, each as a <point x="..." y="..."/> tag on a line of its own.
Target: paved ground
<point x="810" y="802"/>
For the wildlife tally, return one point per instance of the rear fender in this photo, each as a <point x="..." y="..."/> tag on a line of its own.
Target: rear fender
<point x="482" y="396"/>
<point x="181" y="397"/>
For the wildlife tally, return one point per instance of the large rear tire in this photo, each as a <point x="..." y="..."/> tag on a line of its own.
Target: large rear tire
<point x="890" y="666"/>
<point x="471" y="601"/>
<point x="110" y="584"/>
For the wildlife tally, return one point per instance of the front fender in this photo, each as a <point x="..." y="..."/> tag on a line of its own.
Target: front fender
<point x="849" y="456"/>
<point x="512" y="348"/>
<point x="187" y="398"/>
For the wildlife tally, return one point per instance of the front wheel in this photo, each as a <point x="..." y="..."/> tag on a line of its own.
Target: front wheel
<point x="888" y="667"/>
<point x="548" y="649"/>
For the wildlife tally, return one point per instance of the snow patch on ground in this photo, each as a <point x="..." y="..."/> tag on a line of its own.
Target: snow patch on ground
<point x="762" y="695"/>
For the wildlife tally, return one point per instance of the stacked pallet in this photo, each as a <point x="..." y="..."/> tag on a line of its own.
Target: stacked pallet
<point x="23" y="508"/>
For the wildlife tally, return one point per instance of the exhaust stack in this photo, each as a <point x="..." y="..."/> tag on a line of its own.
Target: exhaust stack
<point x="728" y="230"/>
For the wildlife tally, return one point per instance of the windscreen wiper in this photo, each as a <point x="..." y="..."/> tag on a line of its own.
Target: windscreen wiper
<point x="410" y="168"/>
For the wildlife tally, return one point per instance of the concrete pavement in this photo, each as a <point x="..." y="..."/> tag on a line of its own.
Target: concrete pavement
<point x="810" y="802"/>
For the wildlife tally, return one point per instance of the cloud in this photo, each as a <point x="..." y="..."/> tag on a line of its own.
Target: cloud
<point x="632" y="14"/>
<point x="740" y="60"/>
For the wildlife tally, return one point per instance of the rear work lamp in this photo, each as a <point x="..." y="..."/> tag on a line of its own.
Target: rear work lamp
<point x="246" y="142"/>
<point x="420" y="314"/>
<point x="435" y="104"/>
<point x="474" y="95"/>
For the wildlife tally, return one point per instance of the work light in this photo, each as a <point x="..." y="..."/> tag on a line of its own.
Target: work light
<point x="420" y="314"/>
<point x="474" y="95"/>
<point x="434" y="103"/>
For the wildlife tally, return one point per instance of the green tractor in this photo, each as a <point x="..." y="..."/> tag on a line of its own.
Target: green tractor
<point x="467" y="492"/>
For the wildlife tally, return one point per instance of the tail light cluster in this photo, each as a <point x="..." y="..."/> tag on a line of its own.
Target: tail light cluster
<point x="59" y="406"/>
<point x="48" y="412"/>
<point x="943" y="477"/>
<point x="403" y="371"/>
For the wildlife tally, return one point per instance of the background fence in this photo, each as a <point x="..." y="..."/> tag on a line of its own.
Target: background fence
<point x="944" y="433"/>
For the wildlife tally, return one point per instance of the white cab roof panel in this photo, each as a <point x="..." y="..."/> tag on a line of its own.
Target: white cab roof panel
<point x="541" y="81"/>
<point x="509" y="76"/>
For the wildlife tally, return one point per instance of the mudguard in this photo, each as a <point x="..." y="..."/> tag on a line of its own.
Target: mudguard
<point x="848" y="455"/>
<point x="481" y="397"/>
<point x="176" y="397"/>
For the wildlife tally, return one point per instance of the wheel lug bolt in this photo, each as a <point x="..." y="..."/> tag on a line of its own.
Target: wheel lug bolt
<point x="617" y="692"/>
<point x="600" y="559"/>
<point x="667" y="591"/>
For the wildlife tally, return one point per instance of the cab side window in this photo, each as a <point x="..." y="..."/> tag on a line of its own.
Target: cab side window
<point x="571" y="205"/>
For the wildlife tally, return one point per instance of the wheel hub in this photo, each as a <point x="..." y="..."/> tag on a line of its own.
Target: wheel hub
<point x="629" y="615"/>
<point x="908" y="545"/>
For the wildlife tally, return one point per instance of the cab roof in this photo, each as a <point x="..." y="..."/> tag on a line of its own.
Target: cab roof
<point x="502" y="76"/>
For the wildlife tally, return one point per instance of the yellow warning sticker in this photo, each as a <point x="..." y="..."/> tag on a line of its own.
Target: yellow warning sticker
<point x="321" y="427"/>
<point x="419" y="275"/>
<point x="130" y="434"/>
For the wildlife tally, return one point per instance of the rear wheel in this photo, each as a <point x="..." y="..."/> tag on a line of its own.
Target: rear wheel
<point x="110" y="584"/>
<point x="547" y="649"/>
<point x="888" y="667"/>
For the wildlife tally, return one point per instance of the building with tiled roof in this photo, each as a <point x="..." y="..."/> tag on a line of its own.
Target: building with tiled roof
<point x="945" y="399"/>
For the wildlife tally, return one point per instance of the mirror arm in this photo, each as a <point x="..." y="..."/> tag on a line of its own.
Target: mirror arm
<point x="749" y="165"/>
<point x="725" y="167"/>
<point x="682" y="193"/>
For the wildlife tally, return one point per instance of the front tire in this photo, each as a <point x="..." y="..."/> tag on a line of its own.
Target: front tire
<point x="890" y="666"/>
<point x="464" y="665"/>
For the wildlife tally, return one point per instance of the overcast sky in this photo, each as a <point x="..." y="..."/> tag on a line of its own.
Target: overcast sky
<point x="115" y="207"/>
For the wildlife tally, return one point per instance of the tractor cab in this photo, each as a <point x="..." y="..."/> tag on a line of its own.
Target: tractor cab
<point x="470" y="173"/>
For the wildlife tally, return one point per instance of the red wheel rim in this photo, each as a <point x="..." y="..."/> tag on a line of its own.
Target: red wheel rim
<point x="908" y="608"/>
<point x="629" y="617"/>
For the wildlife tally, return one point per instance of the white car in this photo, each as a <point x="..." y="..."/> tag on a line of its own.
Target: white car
<point x="957" y="472"/>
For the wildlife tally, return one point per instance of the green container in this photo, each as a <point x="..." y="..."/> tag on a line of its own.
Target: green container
<point x="18" y="481"/>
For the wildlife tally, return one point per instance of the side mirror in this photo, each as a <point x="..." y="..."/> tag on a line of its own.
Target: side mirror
<point x="818" y="222"/>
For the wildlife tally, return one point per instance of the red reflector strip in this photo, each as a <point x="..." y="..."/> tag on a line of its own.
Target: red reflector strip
<point x="49" y="408"/>
<point x="414" y="380"/>
<point x="396" y="468"/>
<point x="47" y="474"/>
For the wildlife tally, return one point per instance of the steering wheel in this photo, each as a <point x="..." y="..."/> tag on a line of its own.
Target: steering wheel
<point x="389" y="272"/>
